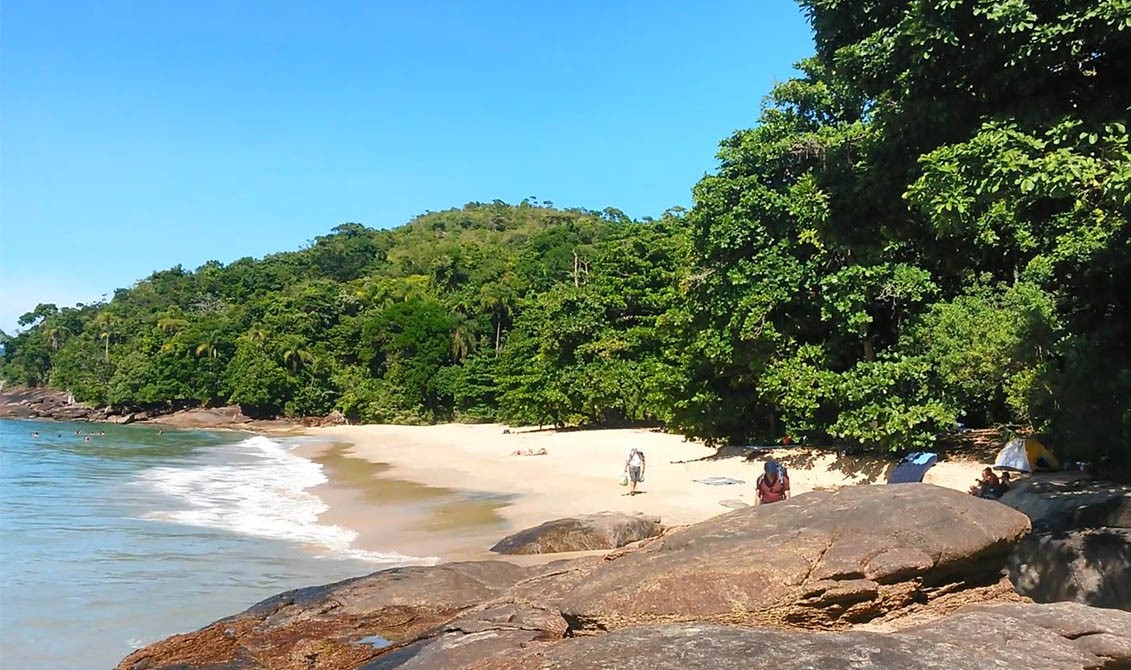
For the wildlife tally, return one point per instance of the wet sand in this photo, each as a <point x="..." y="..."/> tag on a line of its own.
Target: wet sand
<point x="391" y="514"/>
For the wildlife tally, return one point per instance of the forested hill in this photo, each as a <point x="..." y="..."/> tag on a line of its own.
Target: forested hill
<point x="524" y="313"/>
<point x="927" y="226"/>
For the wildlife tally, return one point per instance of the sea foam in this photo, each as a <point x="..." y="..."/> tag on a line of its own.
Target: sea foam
<point x="257" y="487"/>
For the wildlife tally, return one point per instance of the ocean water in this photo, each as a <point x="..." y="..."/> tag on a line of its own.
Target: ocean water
<point x="109" y="542"/>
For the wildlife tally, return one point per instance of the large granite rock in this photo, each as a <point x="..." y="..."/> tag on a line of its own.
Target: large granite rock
<point x="325" y="626"/>
<point x="43" y="403"/>
<point x="494" y="630"/>
<point x="1006" y="637"/>
<point x="823" y="559"/>
<point x="1055" y="503"/>
<point x="1090" y="566"/>
<point x="604" y="530"/>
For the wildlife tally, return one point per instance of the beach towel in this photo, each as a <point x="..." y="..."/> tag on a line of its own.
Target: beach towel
<point x="720" y="481"/>
<point x="912" y="468"/>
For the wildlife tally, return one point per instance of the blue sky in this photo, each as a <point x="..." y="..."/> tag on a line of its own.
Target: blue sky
<point x="138" y="135"/>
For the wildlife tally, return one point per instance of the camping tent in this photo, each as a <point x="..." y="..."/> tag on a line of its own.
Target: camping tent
<point x="1025" y="455"/>
<point x="912" y="468"/>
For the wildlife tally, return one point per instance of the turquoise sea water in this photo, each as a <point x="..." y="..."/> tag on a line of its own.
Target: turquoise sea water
<point x="109" y="542"/>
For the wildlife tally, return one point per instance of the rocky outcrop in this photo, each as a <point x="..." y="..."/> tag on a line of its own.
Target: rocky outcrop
<point x="604" y="530"/>
<point x="1081" y="548"/>
<point x="325" y="626"/>
<point x="39" y="403"/>
<point x="825" y="559"/>
<point x="1030" y="636"/>
<point x="1090" y="566"/>
<point x="1055" y="504"/>
<point x="334" y="418"/>
<point x="205" y="417"/>
<point x="822" y="560"/>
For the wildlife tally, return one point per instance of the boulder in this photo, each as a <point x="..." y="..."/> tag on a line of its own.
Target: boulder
<point x="1055" y="504"/>
<point x="820" y="560"/>
<point x="326" y="626"/>
<point x="1036" y="637"/>
<point x="604" y="530"/>
<point x="1090" y="566"/>
<point x="489" y="631"/>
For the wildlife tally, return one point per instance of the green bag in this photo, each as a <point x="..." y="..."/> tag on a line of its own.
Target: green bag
<point x="624" y="480"/>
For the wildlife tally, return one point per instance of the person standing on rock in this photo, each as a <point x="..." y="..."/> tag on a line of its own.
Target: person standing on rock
<point x="634" y="467"/>
<point x="772" y="486"/>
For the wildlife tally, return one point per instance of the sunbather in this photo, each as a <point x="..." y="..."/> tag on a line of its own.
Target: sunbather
<point x="986" y="485"/>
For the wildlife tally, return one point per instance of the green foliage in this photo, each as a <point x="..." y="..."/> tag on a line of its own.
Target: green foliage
<point x="409" y="325"/>
<point x="919" y="233"/>
<point x="927" y="226"/>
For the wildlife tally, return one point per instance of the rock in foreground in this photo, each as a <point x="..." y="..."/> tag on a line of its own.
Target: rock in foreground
<point x="1056" y="504"/>
<point x="1090" y="566"/>
<point x="824" y="559"/>
<point x="604" y="530"/>
<point x="1035" y="637"/>
<point x="325" y="626"/>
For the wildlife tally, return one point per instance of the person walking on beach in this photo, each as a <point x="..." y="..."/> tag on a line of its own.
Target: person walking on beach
<point x="772" y="486"/>
<point x="634" y="467"/>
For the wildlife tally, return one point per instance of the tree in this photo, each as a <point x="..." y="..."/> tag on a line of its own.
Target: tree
<point x="105" y="322"/>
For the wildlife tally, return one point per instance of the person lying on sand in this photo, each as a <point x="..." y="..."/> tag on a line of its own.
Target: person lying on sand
<point x="530" y="452"/>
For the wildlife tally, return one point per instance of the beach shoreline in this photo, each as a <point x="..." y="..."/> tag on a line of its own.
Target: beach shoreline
<point x="450" y="491"/>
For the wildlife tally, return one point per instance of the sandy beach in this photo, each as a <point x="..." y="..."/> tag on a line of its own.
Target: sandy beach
<point x="452" y="490"/>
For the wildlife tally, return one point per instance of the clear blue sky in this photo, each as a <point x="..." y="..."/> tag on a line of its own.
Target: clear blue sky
<point x="138" y="135"/>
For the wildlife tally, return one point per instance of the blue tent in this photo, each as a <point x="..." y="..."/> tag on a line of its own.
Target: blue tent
<point x="913" y="467"/>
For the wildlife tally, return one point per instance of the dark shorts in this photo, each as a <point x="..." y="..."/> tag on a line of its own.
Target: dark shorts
<point x="634" y="474"/>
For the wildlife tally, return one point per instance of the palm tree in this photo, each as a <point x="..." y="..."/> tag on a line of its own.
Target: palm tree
<point x="170" y="324"/>
<point x="105" y="323"/>
<point x="55" y="336"/>
<point x="257" y="335"/>
<point x="498" y="298"/>
<point x="208" y="346"/>
<point x="463" y="340"/>
<point x="296" y="357"/>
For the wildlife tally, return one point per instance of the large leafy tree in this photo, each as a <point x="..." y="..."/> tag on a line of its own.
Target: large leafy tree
<point x="929" y="226"/>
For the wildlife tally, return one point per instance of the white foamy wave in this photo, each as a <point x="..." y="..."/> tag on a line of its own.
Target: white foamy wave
<point x="258" y="488"/>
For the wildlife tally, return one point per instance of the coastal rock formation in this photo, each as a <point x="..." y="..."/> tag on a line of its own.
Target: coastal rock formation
<point x="604" y="530"/>
<point x="334" y="418"/>
<point x="1090" y="566"/>
<point x="1035" y="637"/>
<point x="1081" y="548"/>
<point x="205" y="417"/>
<point x="38" y="403"/>
<point x="822" y="560"/>
<point x="326" y="626"/>
<point x="1055" y="504"/>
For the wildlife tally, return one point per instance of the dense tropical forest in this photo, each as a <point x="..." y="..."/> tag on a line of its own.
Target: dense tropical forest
<point x="926" y="228"/>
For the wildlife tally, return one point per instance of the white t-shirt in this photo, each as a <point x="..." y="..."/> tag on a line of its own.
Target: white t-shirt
<point x="635" y="458"/>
